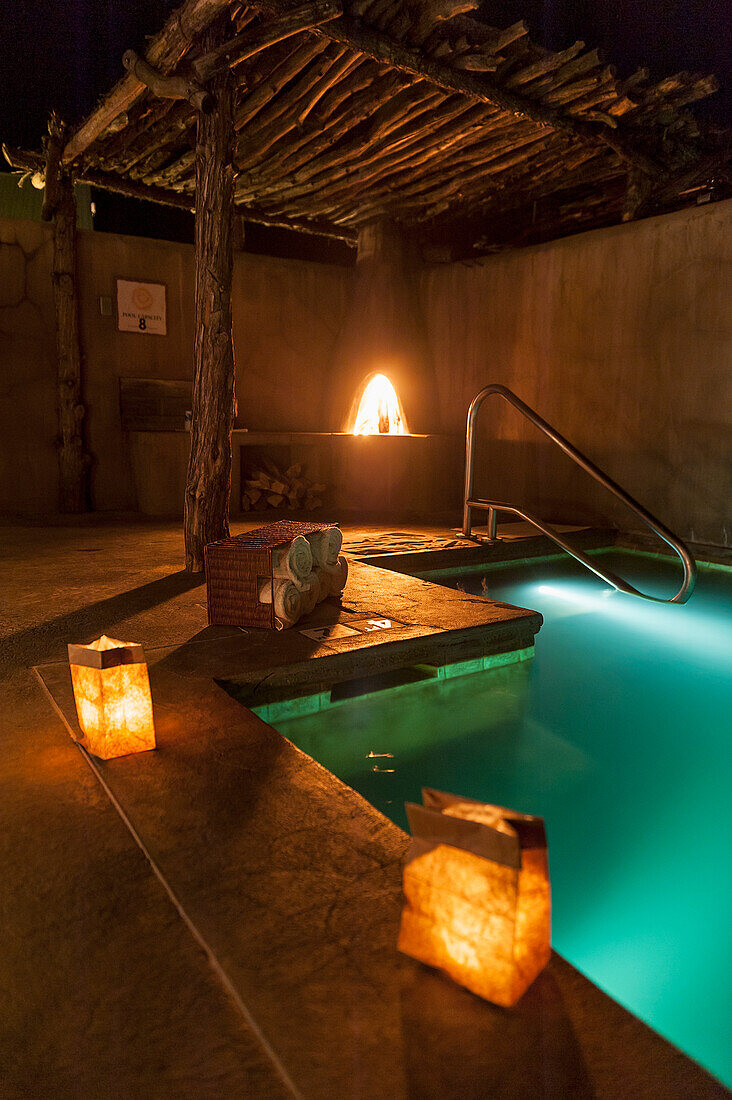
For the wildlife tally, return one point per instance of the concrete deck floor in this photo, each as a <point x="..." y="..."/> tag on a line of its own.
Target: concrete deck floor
<point x="219" y="918"/>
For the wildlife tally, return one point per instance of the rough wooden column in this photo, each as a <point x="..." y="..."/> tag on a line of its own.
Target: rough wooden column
<point x="60" y="204"/>
<point x="209" y="466"/>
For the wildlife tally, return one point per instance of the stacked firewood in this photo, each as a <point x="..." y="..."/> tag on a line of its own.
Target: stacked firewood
<point x="270" y="487"/>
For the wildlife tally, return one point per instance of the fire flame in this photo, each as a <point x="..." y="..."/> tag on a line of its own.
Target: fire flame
<point x="379" y="412"/>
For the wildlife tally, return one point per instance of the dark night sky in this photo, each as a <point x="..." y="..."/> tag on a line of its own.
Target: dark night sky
<point x="66" y="53"/>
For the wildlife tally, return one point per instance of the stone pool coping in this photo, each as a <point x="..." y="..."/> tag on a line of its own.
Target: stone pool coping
<point x="290" y="881"/>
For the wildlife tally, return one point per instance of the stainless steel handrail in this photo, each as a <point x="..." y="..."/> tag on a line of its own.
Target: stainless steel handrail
<point x="493" y="507"/>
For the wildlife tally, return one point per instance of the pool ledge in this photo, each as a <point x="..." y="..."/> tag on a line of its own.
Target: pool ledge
<point x="292" y="882"/>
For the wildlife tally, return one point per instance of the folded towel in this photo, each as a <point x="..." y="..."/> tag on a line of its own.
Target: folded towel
<point x="287" y="597"/>
<point x="326" y="546"/>
<point x="293" y="561"/>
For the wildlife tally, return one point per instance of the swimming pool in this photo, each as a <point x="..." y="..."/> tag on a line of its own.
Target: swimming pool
<point x="618" y="732"/>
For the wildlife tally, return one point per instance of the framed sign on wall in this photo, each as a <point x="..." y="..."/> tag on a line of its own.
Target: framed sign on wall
<point x="141" y="307"/>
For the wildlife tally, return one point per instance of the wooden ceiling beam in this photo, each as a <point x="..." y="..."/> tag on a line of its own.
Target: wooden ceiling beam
<point x="27" y="161"/>
<point x="165" y="53"/>
<point x="168" y="87"/>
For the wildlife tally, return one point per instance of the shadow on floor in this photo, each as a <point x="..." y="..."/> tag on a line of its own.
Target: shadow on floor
<point x="459" y="1045"/>
<point x="41" y="642"/>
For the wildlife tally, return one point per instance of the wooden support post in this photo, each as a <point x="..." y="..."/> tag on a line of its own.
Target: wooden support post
<point x="206" y="514"/>
<point x="60" y="204"/>
<point x="637" y="194"/>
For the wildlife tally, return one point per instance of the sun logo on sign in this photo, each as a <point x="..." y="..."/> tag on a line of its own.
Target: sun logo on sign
<point x="141" y="297"/>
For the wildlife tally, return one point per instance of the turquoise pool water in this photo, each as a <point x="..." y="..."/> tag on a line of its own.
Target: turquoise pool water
<point x="618" y="732"/>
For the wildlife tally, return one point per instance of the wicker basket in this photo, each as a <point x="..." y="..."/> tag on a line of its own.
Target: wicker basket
<point x="235" y="567"/>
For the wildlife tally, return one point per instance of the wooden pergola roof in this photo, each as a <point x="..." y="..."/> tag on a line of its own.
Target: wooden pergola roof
<point x="347" y="110"/>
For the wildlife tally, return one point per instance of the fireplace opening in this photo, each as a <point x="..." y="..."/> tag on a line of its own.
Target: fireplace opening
<point x="379" y="410"/>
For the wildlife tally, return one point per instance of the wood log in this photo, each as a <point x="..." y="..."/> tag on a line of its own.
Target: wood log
<point x="294" y="61"/>
<point x="288" y="157"/>
<point x="490" y="157"/>
<point x="477" y="62"/>
<point x="251" y="42"/>
<point x="344" y="65"/>
<point x="555" y="79"/>
<point x="283" y="135"/>
<point x="404" y="107"/>
<point x="476" y="146"/>
<point x="569" y="93"/>
<point x="326" y="177"/>
<point x="72" y="459"/>
<point x="327" y="169"/>
<point x="163" y="118"/>
<point x="21" y="158"/>
<point x="432" y="14"/>
<point x="478" y="33"/>
<point x="338" y="99"/>
<point x="279" y="116"/>
<point x="29" y="161"/>
<point x="53" y="191"/>
<point x="164" y="54"/>
<point x="209" y="468"/>
<point x="482" y="87"/>
<point x="547" y="64"/>
<point x="179" y="169"/>
<point x="432" y="194"/>
<point x="637" y="194"/>
<point x="167" y="87"/>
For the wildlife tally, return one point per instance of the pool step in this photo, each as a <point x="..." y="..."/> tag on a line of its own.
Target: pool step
<point x="399" y="680"/>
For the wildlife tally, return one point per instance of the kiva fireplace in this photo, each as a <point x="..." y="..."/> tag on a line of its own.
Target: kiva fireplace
<point x="386" y="459"/>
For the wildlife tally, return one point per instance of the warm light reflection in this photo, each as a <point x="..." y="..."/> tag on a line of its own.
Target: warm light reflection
<point x="379" y="412"/>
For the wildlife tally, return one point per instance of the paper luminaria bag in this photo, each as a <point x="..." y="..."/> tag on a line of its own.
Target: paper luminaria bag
<point x="112" y="695"/>
<point x="477" y="895"/>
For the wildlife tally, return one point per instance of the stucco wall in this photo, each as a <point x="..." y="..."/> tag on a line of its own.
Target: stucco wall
<point x="287" y="315"/>
<point x="618" y="337"/>
<point x="28" y="424"/>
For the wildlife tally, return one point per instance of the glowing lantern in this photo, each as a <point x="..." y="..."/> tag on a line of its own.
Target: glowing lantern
<point x="478" y="903"/>
<point x="379" y="412"/>
<point x="112" y="695"/>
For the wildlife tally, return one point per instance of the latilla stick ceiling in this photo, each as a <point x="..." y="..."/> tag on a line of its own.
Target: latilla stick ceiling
<point x="348" y="110"/>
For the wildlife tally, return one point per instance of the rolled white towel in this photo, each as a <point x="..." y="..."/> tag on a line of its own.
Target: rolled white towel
<point x="288" y="600"/>
<point x="321" y="584"/>
<point x="326" y="546"/>
<point x="264" y="590"/>
<point x="310" y="592"/>
<point x="288" y="603"/>
<point x="337" y="577"/>
<point x="294" y="561"/>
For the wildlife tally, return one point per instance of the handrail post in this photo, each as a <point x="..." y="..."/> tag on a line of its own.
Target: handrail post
<point x="492" y="524"/>
<point x="469" y="444"/>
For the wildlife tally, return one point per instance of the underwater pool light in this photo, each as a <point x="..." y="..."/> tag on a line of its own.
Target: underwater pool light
<point x="692" y="629"/>
<point x="588" y="599"/>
